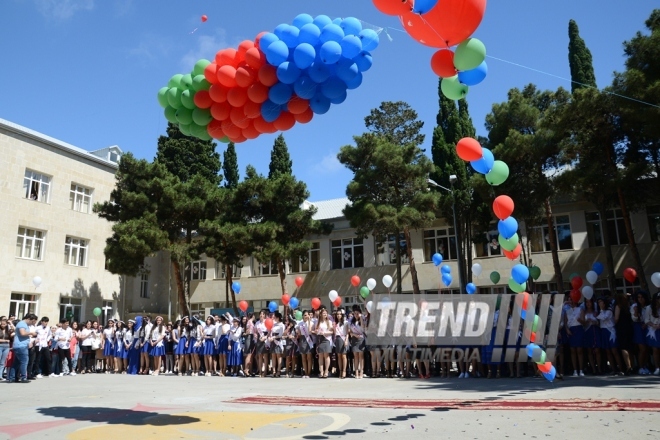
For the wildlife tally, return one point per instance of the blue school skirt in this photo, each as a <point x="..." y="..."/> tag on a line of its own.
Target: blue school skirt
<point x="607" y="339"/>
<point x="208" y="347"/>
<point x="120" y="350"/>
<point x="157" y="350"/>
<point x="191" y="347"/>
<point x="180" y="348"/>
<point x="487" y="351"/>
<point x="639" y="334"/>
<point x="223" y="345"/>
<point x="591" y="337"/>
<point x="146" y="348"/>
<point x="653" y="342"/>
<point x="235" y="355"/>
<point x="576" y="338"/>
<point x="108" y="349"/>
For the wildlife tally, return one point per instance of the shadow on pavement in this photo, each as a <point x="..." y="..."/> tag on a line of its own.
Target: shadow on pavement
<point x="115" y="416"/>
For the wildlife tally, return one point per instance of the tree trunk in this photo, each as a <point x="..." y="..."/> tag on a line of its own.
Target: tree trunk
<point x="181" y="295"/>
<point x="609" y="259"/>
<point x="468" y="246"/>
<point x="229" y="277"/>
<point x="281" y="270"/>
<point x="411" y="259"/>
<point x="526" y="261"/>
<point x="227" y="284"/>
<point x="553" y="247"/>
<point x="631" y="240"/>
<point x="397" y="246"/>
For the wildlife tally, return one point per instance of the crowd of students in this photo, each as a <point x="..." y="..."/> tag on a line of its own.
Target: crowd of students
<point x="618" y="335"/>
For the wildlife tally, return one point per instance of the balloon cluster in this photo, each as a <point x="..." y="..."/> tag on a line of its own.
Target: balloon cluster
<point x="443" y="24"/>
<point x="445" y="271"/>
<point x="272" y="83"/>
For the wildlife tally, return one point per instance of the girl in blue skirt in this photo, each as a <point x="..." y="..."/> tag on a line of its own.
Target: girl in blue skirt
<point x="591" y="338"/>
<point x="195" y="344"/>
<point x="235" y="348"/>
<point x="209" y="348"/>
<point x="120" y="351"/>
<point x="181" y="350"/>
<point x="653" y="331"/>
<point x="608" y="335"/>
<point x="638" y="311"/>
<point x="575" y="332"/>
<point x="223" y="345"/>
<point x="132" y="359"/>
<point x="108" y="342"/>
<point x="157" y="344"/>
<point x="145" y="347"/>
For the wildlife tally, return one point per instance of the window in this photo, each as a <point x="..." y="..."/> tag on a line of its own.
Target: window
<point x="198" y="270"/>
<point x="198" y="309"/>
<point x="220" y="271"/>
<point x="70" y="308"/>
<point x="108" y="311"/>
<point x="36" y="186"/>
<point x="75" y="251"/>
<point x="441" y="241"/>
<point x="653" y="215"/>
<point x="80" y="198"/>
<point x="348" y="252"/>
<point x="551" y="287"/>
<point x="442" y="292"/>
<point x="144" y="285"/>
<point x="22" y="303"/>
<point x="267" y="268"/>
<point x="492" y="290"/>
<point x="489" y="246"/>
<point x="386" y="251"/>
<point x="594" y="232"/>
<point x="623" y="286"/>
<point x="539" y="237"/>
<point x="310" y="262"/>
<point x="30" y="244"/>
<point x="615" y="227"/>
<point x="114" y="157"/>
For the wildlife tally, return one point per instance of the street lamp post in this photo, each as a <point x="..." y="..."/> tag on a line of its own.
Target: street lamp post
<point x="459" y="256"/>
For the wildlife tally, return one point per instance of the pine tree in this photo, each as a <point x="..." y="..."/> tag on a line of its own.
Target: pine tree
<point x="579" y="59"/>
<point x="280" y="162"/>
<point x="230" y="167"/>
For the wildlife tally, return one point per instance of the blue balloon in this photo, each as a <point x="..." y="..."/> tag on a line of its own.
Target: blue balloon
<point x="346" y="70"/>
<point x="319" y="72"/>
<point x="270" y="111"/>
<point x="530" y="349"/>
<point x="322" y="21"/>
<point x="288" y="72"/>
<point x="351" y="46"/>
<point x="446" y="279"/>
<point x="280" y="93"/>
<point x="333" y="88"/>
<point x="470" y="288"/>
<point x="351" y="26"/>
<point x="507" y="227"/>
<point x="305" y="87"/>
<point x="355" y="82"/>
<point x="485" y="164"/>
<point x="280" y="29"/>
<point x="272" y="306"/>
<point x="319" y="104"/>
<point x="266" y="40"/>
<point x="369" y="39"/>
<point x="304" y="55"/>
<point x="236" y="287"/>
<point x="437" y="259"/>
<point x="363" y="61"/>
<point x="445" y="269"/>
<point x="550" y="375"/>
<point x="523" y="314"/>
<point x="309" y="34"/>
<point x="277" y="53"/>
<point x="302" y="19"/>
<point x="337" y="21"/>
<point x="598" y="267"/>
<point x="330" y="52"/>
<point x="293" y="303"/>
<point x="290" y="36"/>
<point x="520" y="273"/>
<point x="331" y="32"/>
<point x="424" y="6"/>
<point x="340" y="98"/>
<point x="474" y="76"/>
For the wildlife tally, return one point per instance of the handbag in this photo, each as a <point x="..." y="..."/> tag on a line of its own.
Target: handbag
<point x="96" y="344"/>
<point x="9" y="361"/>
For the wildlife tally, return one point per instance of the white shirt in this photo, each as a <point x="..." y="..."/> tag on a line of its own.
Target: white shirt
<point x="572" y="316"/>
<point x="235" y="333"/>
<point x="155" y="335"/>
<point x="606" y="319"/>
<point x="642" y="314"/>
<point x="342" y="329"/>
<point x="66" y="335"/>
<point x="209" y="330"/>
<point x="324" y="327"/>
<point x="649" y="318"/>
<point x="109" y="334"/>
<point x="43" y="336"/>
<point x="87" y="338"/>
<point x="278" y="330"/>
<point x="128" y="337"/>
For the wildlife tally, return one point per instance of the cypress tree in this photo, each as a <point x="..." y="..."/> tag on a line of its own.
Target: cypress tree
<point x="280" y="161"/>
<point x="230" y="167"/>
<point x="579" y="59"/>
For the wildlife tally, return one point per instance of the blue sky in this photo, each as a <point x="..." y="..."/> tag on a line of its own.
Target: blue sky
<point x="87" y="71"/>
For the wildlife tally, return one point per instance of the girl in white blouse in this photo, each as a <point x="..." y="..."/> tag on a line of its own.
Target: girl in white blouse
<point x="653" y="331"/>
<point x="608" y="335"/>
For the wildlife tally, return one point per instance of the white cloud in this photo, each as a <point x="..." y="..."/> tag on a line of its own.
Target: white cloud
<point x="329" y="164"/>
<point x="205" y="46"/>
<point x="63" y="9"/>
<point x="152" y="47"/>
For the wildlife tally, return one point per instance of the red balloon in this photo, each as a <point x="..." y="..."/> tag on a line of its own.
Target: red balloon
<point x="299" y="281"/>
<point x="214" y="129"/>
<point x="237" y="97"/>
<point x="227" y="76"/>
<point x="250" y="132"/>
<point x="254" y="58"/>
<point x="204" y="18"/>
<point x="268" y="323"/>
<point x="268" y="75"/>
<point x="203" y="99"/>
<point x="419" y="30"/>
<point x="284" y="122"/>
<point x="237" y="116"/>
<point x="532" y="337"/>
<point x="238" y="139"/>
<point x="297" y="105"/>
<point x="252" y="109"/>
<point x="304" y="117"/>
<point x="245" y="75"/>
<point x="355" y="280"/>
<point x="262" y="126"/>
<point x="220" y="111"/>
<point x="243" y="305"/>
<point x="576" y="295"/>
<point x="442" y="63"/>
<point x="629" y="274"/>
<point x="337" y="301"/>
<point x="257" y="92"/>
<point x="231" y="130"/>
<point x="525" y="300"/>
<point x="245" y="46"/>
<point x="211" y="73"/>
<point x="514" y="254"/>
<point x="218" y="92"/>
<point x="285" y="299"/>
<point x="503" y="207"/>
<point x="316" y="303"/>
<point x="576" y="282"/>
<point x="392" y="7"/>
<point x="545" y="368"/>
<point x="226" y="57"/>
<point x="469" y="149"/>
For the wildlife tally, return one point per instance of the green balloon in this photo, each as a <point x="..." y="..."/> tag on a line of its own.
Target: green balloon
<point x="535" y="272"/>
<point x="535" y="324"/>
<point x="200" y="66"/>
<point x="542" y="360"/>
<point x="518" y="288"/>
<point x="469" y="54"/>
<point x="186" y="82"/>
<point x="298" y="315"/>
<point x="571" y="276"/>
<point x="170" y="114"/>
<point x="509" y="244"/>
<point x="453" y="89"/>
<point x="184" y="116"/>
<point x="162" y="97"/>
<point x="202" y="117"/>
<point x="97" y="311"/>
<point x="199" y="131"/>
<point x="498" y="174"/>
<point x="364" y="292"/>
<point x="200" y="83"/>
<point x="224" y="140"/>
<point x="175" y="81"/>
<point x="185" y="129"/>
<point x="187" y="99"/>
<point x="174" y="97"/>
<point x="69" y="314"/>
<point x="495" y="277"/>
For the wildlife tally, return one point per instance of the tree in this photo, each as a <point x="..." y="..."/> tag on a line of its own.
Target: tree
<point x="230" y="167"/>
<point x="579" y="60"/>
<point x="280" y="162"/>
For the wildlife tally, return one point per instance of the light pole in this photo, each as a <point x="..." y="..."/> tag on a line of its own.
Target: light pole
<point x="459" y="256"/>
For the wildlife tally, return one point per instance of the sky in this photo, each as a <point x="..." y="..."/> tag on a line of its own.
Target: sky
<point x="87" y="71"/>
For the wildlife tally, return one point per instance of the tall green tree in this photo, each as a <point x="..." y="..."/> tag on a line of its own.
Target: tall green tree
<point x="230" y="167"/>
<point x="280" y="161"/>
<point x="579" y="60"/>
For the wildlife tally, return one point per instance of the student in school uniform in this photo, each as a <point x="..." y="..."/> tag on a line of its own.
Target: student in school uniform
<point x="223" y="344"/>
<point x="56" y="362"/>
<point x="276" y="343"/>
<point x="108" y="345"/>
<point x="356" y="332"/>
<point x="653" y="331"/>
<point x="145" y="346"/>
<point x="341" y="342"/>
<point x="638" y="311"/>
<point x="248" y="343"/>
<point x="591" y="338"/>
<point x="608" y="334"/>
<point x="195" y="344"/>
<point x="261" y="348"/>
<point x="120" y="349"/>
<point x="209" y="344"/>
<point x="63" y="336"/>
<point x="157" y="346"/>
<point x="129" y="352"/>
<point x="235" y="347"/>
<point x="169" y="349"/>
<point x="575" y="332"/>
<point x="305" y="331"/>
<point x="290" y="346"/>
<point x="175" y="347"/>
<point x="181" y="350"/>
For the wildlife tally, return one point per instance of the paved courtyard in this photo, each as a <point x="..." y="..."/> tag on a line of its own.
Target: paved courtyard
<point x="127" y="407"/>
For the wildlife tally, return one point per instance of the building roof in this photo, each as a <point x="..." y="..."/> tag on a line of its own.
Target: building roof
<point x="57" y="143"/>
<point x="328" y="209"/>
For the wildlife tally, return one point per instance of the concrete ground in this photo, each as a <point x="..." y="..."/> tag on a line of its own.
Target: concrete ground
<point x="164" y="407"/>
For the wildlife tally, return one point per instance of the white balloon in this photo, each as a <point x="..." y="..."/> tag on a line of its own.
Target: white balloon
<point x="655" y="279"/>
<point x="370" y="306"/>
<point x="476" y="269"/>
<point x="36" y="281"/>
<point x="333" y="295"/>
<point x="371" y="284"/>
<point x="592" y="277"/>
<point x="588" y="292"/>
<point x="387" y="281"/>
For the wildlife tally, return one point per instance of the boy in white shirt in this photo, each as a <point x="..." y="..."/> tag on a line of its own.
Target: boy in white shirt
<point x="63" y="336"/>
